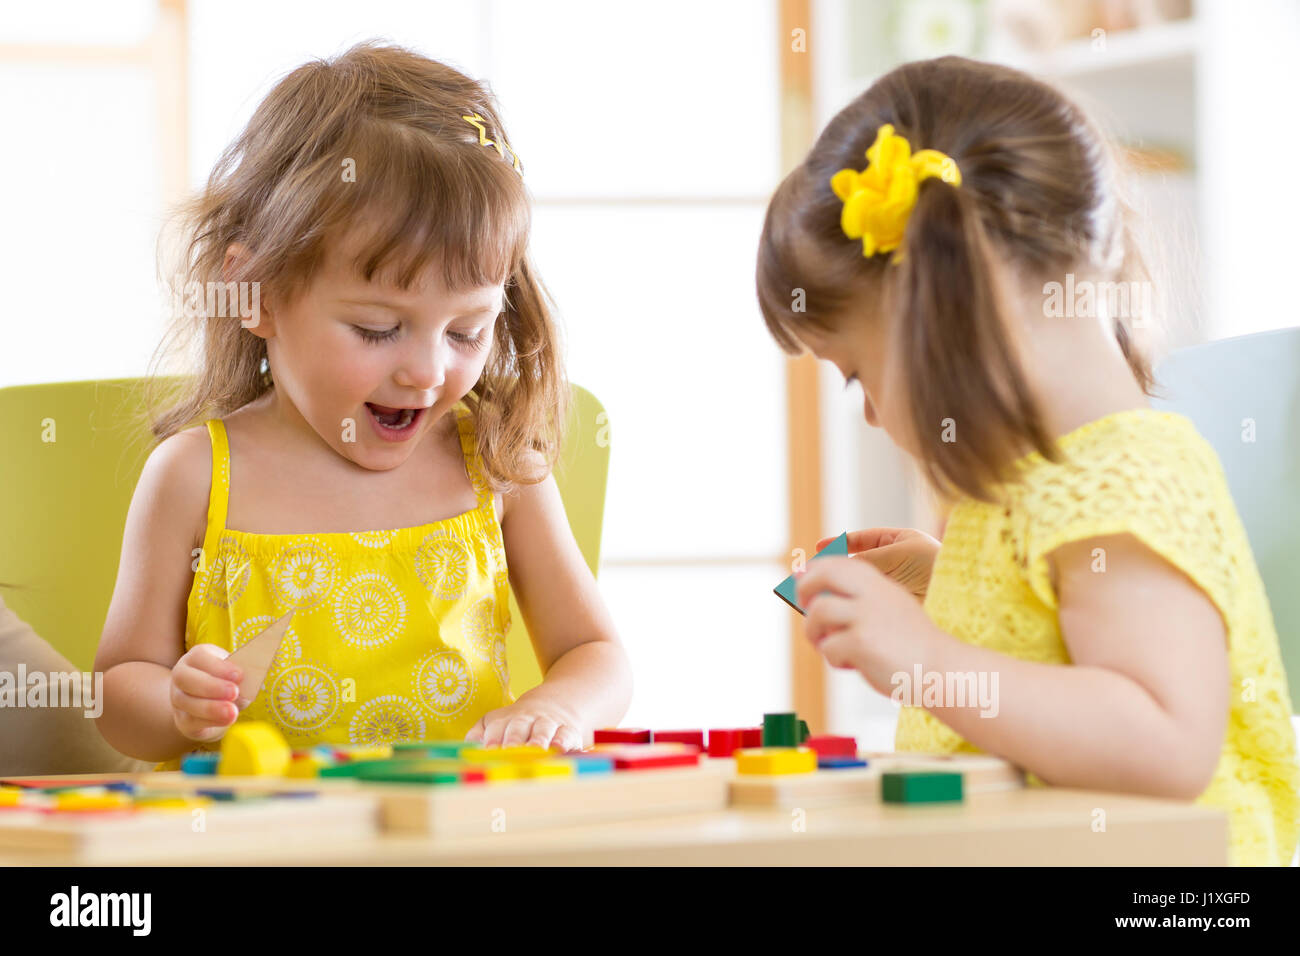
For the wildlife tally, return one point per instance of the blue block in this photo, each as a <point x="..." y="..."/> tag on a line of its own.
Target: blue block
<point x="839" y="763"/>
<point x="785" y="590"/>
<point x="591" y="763"/>
<point x="204" y="764"/>
<point x="125" y="786"/>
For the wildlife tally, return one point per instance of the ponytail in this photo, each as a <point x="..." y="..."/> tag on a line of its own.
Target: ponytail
<point x="953" y="340"/>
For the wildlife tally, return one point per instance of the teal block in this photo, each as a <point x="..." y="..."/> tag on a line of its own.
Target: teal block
<point x="920" y="786"/>
<point x="204" y="764"/>
<point x="591" y="763"/>
<point x="786" y="589"/>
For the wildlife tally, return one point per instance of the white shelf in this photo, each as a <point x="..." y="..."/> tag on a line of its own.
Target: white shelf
<point x="1167" y="45"/>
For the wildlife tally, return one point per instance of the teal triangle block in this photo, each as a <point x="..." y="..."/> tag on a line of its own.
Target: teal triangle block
<point x="785" y="590"/>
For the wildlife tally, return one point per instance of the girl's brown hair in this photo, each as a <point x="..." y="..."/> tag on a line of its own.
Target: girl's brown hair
<point x="427" y="191"/>
<point x="1039" y="197"/>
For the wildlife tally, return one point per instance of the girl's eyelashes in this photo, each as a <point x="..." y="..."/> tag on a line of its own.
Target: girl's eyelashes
<point x="476" y="341"/>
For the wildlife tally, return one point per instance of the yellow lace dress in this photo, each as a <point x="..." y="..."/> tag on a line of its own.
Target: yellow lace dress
<point x="397" y="635"/>
<point x="1149" y="473"/>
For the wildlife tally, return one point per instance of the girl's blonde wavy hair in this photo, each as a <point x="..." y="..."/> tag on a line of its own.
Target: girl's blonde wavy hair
<point x="433" y="194"/>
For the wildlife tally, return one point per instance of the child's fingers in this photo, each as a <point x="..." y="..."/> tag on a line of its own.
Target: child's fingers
<point x="865" y="540"/>
<point x="517" y="731"/>
<point x="543" y="732"/>
<point x="827" y="613"/>
<point x="841" y="575"/>
<point x="566" y="739"/>
<point x="197" y="683"/>
<point x="839" y="649"/>
<point x="211" y="659"/>
<point x="475" y="735"/>
<point x="219" y="712"/>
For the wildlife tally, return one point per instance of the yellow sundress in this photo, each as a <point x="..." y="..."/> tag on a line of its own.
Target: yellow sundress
<point x="397" y="635"/>
<point x="1149" y="473"/>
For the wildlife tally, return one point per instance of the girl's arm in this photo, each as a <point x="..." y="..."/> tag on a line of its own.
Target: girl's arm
<point x="144" y="632"/>
<point x="588" y="678"/>
<point x="1145" y="705"/>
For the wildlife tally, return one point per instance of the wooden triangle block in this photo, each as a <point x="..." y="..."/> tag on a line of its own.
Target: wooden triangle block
<point x="785" y="590"/>
<point x="255" y="657"/>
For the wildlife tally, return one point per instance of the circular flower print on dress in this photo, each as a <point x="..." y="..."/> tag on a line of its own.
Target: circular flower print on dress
<point x="228" y="573"/>
<point x="478" y="627"/>
<point x="442" y="562"/>
<point x="304" y="697"/>
<point x="369" y="610"/>
<point x="385" y="720"/>
<point x="302" y="575"/>
<point x="444" y="683"/>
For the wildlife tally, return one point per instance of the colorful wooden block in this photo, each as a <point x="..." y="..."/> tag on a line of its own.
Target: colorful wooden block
<point x="804" y="733"/>
<point x="434" y="748"/>
<point x="695" y="738"/>
<point x="839" y="763"/>
<point x="751" y="737"/>
<point x="253" y="748"/>
<point x="786" y="589"/>
<point x="173" y="802"/>
<point x="203" y="764"/>
<point x="518" y="754"/>
<point x="254" y="657"/>
<point x="828" y="745"/>
<point x="771" y="761"/>
<point x="920" y="786"/>
<point x="503" y="772"/>
<point x="104" y="800"/>
<point x="780" y="730"/>
<point x="591" y="763"/>
<point x="723" y="742"/>
<point x="621" y="735"/>
<point x="556" y="767"/>
<point x="307" y="765"/>
<point x="655" y="756"/>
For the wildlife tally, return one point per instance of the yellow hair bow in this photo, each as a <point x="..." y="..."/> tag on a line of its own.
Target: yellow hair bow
<point x="878" y="200"/>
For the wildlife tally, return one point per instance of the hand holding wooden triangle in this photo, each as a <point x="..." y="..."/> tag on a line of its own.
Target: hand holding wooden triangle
<point x="254" y="659"/>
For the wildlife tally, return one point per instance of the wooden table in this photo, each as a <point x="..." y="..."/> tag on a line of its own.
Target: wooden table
<point x="1035" y="826"/>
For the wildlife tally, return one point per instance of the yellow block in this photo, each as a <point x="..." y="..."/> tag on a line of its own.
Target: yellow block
<point x="178" y="802"/>
<point x="253" y="748"/>
<point x="776" y="760"/>
<point x="377" y="752"/>
<point x="108" y="800"/>
<point x="10" y="796"/>
<point x="491" y="755"/>
<point x="547" y="768"/>
<point x="503" y="772"/>
<point x="308" y="766"/>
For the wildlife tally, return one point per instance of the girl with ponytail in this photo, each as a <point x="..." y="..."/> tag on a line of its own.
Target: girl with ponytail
<point x="1094" y="581"/>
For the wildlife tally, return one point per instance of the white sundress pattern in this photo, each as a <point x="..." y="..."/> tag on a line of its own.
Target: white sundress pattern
<point x="369" y="610"/>
<point x="444" y="683"/>
<point x="386" y="719"/>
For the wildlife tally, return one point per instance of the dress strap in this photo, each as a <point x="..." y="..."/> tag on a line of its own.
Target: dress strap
<point x="473" y="466"/>
<point x="219" y="496"/>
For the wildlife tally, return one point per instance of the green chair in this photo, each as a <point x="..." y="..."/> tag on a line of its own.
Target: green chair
<point x="71" y="455"/>
<point x="1218" y="385"/>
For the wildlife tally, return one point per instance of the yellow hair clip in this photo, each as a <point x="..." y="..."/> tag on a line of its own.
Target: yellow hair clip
<point x="878" y="200"/>
<point x="477" y="122"/>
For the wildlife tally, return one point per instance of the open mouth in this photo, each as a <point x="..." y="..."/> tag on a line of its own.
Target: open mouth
<point x="395" y="420"/>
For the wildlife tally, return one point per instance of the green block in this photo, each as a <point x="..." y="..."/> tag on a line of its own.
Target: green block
<point x="781" y="730"/>
<point x="408" y="775"/>
<point x="785" y="590"/>
<point x="803" y="731"/>
<point x="433" y="748"/>
<point x="353" y="768"/>
<point x="920" y="786"/>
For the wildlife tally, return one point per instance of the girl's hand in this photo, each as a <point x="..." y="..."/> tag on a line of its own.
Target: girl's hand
<point x="538" y="723"/>
<point x="904" y="554"/>
<point x="203" y="693"/>
<point x="859" y="618"/>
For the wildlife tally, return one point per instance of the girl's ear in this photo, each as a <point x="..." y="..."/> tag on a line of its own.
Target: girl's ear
<point x="237" y="254"/>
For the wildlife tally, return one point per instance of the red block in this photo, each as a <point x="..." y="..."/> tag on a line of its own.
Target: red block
<point x="751" y="737"/>
<point x="654" y="760"/>
<point x="473" y="775"/>
<point x="724" y="742"/>
<point x="828" y="745"/>
<point x="693" y="737"/>
<point x="622" y="735"/>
